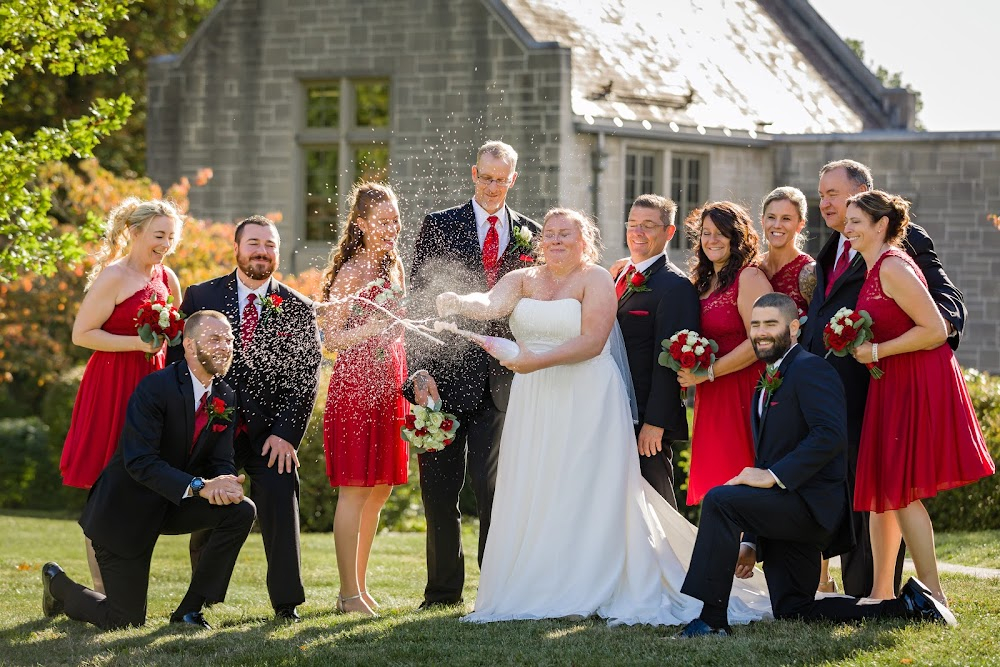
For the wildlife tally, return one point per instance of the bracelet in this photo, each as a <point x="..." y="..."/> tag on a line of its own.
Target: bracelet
<point x="874" y="353"/>
<point x="711" y="372"/>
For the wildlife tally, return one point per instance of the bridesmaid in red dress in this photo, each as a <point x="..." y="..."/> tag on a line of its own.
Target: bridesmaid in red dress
<point x="105" y="323"/>
<point x="728" y="281"/>
<point x="920" y="434"/>
<point x="791" y="271"/>
<point x="365" y="454"/>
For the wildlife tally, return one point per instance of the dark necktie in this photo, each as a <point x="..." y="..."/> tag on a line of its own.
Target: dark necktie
<point x="248" y="323"/>
<point x="838" y="270"/>
<point x="491" y="250"/>
<point x="200" y="419"/>
<point x="622" y="283"/>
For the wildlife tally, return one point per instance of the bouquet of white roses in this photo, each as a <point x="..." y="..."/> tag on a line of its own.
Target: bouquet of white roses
<point x="427" y="429"/>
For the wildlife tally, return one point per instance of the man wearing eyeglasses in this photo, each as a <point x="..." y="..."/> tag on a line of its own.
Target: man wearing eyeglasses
<point x="655" y="301"/>
<point x="462" y="249"/>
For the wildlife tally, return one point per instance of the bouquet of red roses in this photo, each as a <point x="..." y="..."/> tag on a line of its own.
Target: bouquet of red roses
<point x="845" y="331"/>
<point x="427" y="429"/>
<point x="688" y="349"/>
<point x="157" y="321"/>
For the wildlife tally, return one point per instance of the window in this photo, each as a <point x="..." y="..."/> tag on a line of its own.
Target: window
<point x="345" y="139"/>
<point x="640" y="177"/>
<point x="688" y="186"/>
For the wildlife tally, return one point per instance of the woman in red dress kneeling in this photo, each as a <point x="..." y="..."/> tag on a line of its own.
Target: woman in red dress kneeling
<point x="365" y="454"/>
<point x="920" y="434"/>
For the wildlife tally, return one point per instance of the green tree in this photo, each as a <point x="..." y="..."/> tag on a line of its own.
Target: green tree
<point x="62" y="38"/>
<point x="154" y="28"/>
<point x="888" y="79"/>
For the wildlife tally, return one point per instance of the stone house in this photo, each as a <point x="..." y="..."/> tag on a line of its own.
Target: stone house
<point x="290" y="101"/>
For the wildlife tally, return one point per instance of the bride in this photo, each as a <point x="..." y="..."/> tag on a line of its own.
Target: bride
<point x="576" y="530"/>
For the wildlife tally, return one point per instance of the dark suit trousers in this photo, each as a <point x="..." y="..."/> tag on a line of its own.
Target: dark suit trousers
<point x="277" y="499"/>
<point x="126" y="580"/>
<point x="658" y="470"/>
<point x="788" y="536"/>
<point x="442" y="476"/>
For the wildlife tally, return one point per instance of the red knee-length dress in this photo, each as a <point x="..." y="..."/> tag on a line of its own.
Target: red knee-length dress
<point x="364" y="407"/>
<point x="920" y="434"/>
<point x="108" y="382"/>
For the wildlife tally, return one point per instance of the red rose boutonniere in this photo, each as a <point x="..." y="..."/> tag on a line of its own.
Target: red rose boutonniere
<point x="635" y="282"/>
<point x="770" y="380"/>
<point x="272" y="304"/>
<point x="218" y="412"/>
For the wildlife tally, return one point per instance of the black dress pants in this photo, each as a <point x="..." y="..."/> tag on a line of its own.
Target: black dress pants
<point x="442" y="476"/>
<point x="126" y="579"/>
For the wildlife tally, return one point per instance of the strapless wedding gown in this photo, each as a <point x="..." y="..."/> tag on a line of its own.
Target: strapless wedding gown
<point x="575" y="529"/>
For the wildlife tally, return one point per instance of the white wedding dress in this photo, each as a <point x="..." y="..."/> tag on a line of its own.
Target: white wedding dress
<point x="575" y="529"/>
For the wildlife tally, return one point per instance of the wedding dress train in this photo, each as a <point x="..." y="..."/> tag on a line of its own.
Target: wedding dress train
<point x="575" y="529"/>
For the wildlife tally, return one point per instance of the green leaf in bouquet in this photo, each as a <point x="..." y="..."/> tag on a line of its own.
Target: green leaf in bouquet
<point x="664" y="359"/>
<point x="145" y="333"/>
<point x="176" y="339"/>
<point x="715" y="348"/>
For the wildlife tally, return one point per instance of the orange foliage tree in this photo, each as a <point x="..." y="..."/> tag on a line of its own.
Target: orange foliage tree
<point x="37" y="312"/>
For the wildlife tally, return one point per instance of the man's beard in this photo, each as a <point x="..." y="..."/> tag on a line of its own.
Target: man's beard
<point x="213" y="364"/>
<point x="245" y="262"/>
<point x="780" y="344"/>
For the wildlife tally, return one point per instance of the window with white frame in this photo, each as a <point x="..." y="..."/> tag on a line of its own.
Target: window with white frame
<point x="688" y="187"/>
<point x="345" y="139"/>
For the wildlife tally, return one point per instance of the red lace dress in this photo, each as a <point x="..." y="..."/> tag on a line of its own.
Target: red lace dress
<point x="108" y="382"/>
<point x="920" y="434"/>
<point x="364" y="407"/>
<point x="786" y="281"/>
<point x="722" y="442"/>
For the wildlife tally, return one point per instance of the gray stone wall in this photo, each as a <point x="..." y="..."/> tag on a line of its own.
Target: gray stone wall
<point x="953" y="181"/>
<point x="459" y="76"/>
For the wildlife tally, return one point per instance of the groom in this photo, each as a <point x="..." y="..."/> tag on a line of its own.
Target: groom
<point x="173" y="473"/>
<point x="794" y="504"/>
<point x="662" y="305"/>
<point x="464" y="249"/>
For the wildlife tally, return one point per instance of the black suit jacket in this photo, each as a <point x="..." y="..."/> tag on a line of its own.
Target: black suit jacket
<point x="447" y="258"/>
<point x="276" y="379"/>
<point x="802" y="438"/>
<point x="155" y="461"/>
<point x="646" y="319"/>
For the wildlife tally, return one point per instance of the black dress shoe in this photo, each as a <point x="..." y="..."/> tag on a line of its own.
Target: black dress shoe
<point x="699" y="628"/>
<point x="192" y="618"/>
<point x="50" y="605"/>
<point x="921" y="605"/>
<point x="437" y="604"/>
<point x="287" y="614"/>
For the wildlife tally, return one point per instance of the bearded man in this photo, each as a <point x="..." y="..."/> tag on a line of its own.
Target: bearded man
<point x="275" y="373"/>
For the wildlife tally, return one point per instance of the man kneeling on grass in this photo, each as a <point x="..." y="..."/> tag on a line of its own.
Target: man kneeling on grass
<point x="794" y="503"/>
<point x="173" y="473"/>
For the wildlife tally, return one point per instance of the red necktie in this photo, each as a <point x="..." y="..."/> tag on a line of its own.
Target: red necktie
<point x="491" y="250"/>
<point x="622" y="284"/>
<point x="200" y="419"/>
<point x="838" y="270"/>
<point x="249" y="321"/>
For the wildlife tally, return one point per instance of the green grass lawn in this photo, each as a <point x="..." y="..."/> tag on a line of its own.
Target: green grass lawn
<point x="245" y="635"/>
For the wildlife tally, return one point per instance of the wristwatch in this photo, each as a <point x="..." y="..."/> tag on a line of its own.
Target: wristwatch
<point x="197" y="484"/>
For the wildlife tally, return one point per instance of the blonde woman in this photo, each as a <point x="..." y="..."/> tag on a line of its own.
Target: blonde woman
<point x="146" y="232"/>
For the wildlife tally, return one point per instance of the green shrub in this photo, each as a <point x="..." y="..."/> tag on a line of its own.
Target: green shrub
<point x="25" y="443"/>
<point x="976" y="506"/>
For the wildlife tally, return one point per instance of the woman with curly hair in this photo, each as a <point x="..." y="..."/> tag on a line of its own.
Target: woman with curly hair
<point x="118" y="284"/>
<point x="725" y="274"/>
<point x="365" y="455"/>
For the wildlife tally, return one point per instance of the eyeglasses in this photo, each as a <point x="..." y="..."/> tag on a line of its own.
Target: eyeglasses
<point x="644" y="226"/>
<point x="503" y="182"/>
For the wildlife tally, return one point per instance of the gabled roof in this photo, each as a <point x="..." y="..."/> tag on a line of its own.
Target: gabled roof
<point x="707" y="63"/>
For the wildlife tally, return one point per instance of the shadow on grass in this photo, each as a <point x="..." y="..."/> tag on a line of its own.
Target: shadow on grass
<point x="435" y="637"/>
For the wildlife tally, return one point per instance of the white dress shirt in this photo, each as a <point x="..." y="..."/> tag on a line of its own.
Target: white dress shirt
<point x="840" y="251"/>
<point x="482" y="226"/>
<point x="243" y="292"/>
<point x="199" y="391"/>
